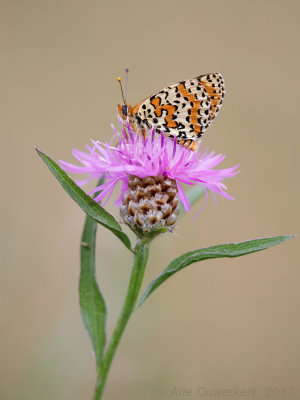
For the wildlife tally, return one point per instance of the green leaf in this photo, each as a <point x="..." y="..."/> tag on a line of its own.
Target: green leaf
<point x="85" y="202"/>
<point x="92" y="304"/>
<point x="192" y="195"/>
<point x="222" y="250"/>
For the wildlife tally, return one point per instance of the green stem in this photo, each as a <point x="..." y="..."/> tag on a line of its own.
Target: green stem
<point x="139" y="264"/>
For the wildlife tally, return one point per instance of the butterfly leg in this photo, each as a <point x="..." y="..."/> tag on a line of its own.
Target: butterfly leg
<point x="144" y="133"/>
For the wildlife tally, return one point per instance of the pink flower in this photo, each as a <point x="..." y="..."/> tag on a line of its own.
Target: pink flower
<point x="152" y="156"/>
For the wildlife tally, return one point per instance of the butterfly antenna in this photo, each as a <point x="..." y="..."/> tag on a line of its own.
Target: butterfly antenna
<point x="126" y="72"/>
<point x="119" y="80"/>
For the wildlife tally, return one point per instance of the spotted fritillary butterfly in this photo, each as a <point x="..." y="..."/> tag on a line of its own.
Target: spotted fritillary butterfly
<point x="183" y="110"/>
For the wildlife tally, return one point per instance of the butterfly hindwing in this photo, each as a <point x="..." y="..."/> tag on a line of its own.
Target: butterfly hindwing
<point x="184" y="109"/>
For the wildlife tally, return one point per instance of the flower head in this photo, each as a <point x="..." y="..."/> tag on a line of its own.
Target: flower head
<point x="158" y="157"/>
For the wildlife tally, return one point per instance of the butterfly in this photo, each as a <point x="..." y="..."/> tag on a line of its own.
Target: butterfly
<point x="182" y="110"/>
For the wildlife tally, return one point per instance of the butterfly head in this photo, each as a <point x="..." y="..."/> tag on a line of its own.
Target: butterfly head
<point x="124" y="110"/>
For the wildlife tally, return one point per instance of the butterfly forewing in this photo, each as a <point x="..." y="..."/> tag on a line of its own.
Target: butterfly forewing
<point x="184" y="109"/>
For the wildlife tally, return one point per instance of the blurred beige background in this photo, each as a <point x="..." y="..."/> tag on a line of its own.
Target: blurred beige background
<point x="219" y="324"/>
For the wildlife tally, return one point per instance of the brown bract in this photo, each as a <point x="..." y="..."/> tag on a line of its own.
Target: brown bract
<point x="149" y="204"/>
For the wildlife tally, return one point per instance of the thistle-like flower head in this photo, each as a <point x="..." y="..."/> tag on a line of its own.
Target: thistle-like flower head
<point x="151" y="170"/>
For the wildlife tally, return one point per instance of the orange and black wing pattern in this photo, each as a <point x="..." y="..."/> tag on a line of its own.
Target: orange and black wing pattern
<point x="184" y="109"/>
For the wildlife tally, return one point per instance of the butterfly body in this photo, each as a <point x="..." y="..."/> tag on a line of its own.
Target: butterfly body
<point x="183" y="110"/>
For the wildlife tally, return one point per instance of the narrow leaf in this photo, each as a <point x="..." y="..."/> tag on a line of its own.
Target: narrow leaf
<point x="92" y="305"/>
<point x="192" y="195"/>
<point x="223" y="250"/>
<point x="85" y="202"/>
